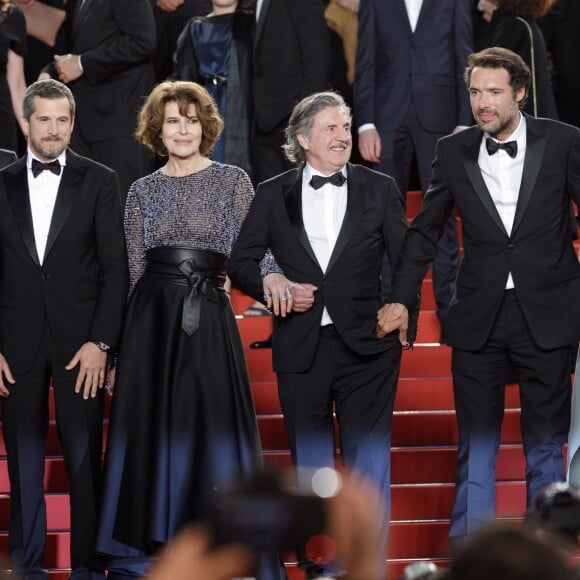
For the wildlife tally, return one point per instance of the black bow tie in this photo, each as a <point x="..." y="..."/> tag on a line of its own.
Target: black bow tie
<point x="337" y="179"/>
<point x="38" y="167"/>
<point x="511" y="147"/>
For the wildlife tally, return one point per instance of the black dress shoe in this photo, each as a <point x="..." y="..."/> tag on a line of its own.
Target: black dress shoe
<point x="262" y="343"/>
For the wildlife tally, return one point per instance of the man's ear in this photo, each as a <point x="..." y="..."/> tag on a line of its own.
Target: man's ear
<point x="303" y="141"/>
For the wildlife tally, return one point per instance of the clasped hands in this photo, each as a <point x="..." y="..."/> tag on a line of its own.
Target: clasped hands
<point x="392" y="317"/>
<point x="283" y="296"/>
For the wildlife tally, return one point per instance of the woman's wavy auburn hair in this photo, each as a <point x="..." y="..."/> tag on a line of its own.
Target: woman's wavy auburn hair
<point x="184" y="93"/>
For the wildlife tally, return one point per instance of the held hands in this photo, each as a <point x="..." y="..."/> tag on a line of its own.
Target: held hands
<point x="92" y="362"/>
<point x="5" y="376"/>
<point x="282" y="296"/>
<point x="68" y="67"/>
<point x="393" y="317"/>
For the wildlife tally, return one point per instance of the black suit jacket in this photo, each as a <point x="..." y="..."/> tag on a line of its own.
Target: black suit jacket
<point x="80" y="288"/>
<point x="7" y="157"/>
<point x="395" y="65"/>
<point x="350" y="289"/>
<point x="538" y="253"/>
<point x="291" y="57"/>
<point x="116" y="41"/>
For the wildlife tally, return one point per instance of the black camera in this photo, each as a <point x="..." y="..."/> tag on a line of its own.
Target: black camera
<point x="264" y="515"/>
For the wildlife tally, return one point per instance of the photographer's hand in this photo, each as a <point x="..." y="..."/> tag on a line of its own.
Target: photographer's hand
<point x="190" y="557"/>
<point x="357" y="521"/>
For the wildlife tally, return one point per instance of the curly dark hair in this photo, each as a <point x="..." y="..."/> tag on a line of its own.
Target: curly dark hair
<point x="525" y="8"/>
<point x="498" y="57"/>
<point x="184" y="93"/>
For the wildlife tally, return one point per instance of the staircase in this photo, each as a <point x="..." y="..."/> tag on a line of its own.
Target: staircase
<point x="423" y="448"/>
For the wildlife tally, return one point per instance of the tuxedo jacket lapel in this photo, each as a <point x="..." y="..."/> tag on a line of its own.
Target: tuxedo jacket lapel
<point x="261" y="20"/>
<point x="293" y="201"/>
<point x="535" y="145"/>
<point x="422" y="20"/>
<point x="474" y="173"/>
<point x="17" y="192"/>
<point x="354" y="208"/>
<point x="403" y="16"/>
<point x="70" y="184"/>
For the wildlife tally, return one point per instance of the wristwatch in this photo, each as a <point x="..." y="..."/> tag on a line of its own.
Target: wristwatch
<point x="102" y="346"/>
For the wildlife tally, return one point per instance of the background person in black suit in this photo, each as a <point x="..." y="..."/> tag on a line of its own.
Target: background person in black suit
<point x="561" y="28"/>
<point x="513" y="25"/>
<point x="110" y="71"/>
<point x="329" y="239"/>
<point x="63" y="282"/>
<point x="291" y="60"/>
<point x="408" y="93"/>
<point x="517" y="303"/>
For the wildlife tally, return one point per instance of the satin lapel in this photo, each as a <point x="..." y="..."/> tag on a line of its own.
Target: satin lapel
<point x="293" y="201"/>
<point x="535" y="145"/>
<point x="69" y="186"/>
<point x="471" y="154"/>
<point x="425" y="7"/>
<point x="79" y="16"/>
<point x="354" y="207"/>
<point x="19" y="200"/>
<point x="261" y="20"/>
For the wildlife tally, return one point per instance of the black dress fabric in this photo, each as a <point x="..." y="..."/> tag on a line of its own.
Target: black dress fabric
<point x="183" y="428"/>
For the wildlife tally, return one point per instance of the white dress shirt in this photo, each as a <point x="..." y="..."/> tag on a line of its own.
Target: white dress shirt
<point x="258" y="8"/>
<point x="42" y="191"/>
<point x="413" y="9"/>
<point x="503" y="176"/>
<point x="323" y="212"/>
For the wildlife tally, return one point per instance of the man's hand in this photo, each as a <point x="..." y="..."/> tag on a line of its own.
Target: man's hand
<point x="5" y="376"/>
<point x="68" y="67"/>
<point x="190" y="557"/>
<point x="92" y="362"/>
<point x="369" y="144"/>
<point x="392" y="317"/>
<point x="303" y="296"/>
<point x="169" y="5"/>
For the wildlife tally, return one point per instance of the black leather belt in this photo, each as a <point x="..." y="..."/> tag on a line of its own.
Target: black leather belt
<point x="203" y="271"/>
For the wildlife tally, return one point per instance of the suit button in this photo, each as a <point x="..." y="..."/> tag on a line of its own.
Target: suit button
<point x="511" y="246"/>
<point x="45" y="276"/>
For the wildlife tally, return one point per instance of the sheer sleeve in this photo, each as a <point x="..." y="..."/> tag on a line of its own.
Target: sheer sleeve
<point x="135" y="236"/>
<point x="243" y="196"/>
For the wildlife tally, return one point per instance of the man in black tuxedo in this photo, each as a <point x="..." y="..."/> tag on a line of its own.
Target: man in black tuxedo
<point x="517" y="303"/>
<point x="7" y="157"/>
<point x="408" y="93"/>
<point x="63" y="285"/>
<point x="328" y="235"/>
<point x="291" y="60"/>
<point x="110" y="71"/>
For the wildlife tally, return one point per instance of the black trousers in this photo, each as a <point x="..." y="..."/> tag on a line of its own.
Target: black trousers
<point x="361" y="390"/>
<point x="25" y="421"/>
<point x="479" y="380"/>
